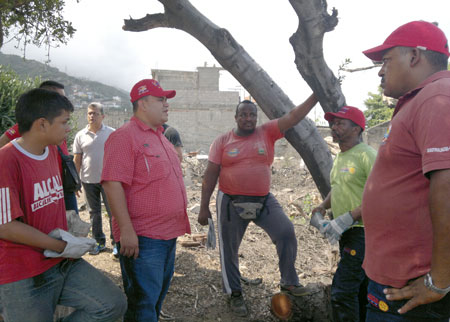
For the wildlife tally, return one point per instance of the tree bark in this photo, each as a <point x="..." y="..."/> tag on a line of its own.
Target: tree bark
<point x="307" y="43"/>
<point x="304" y="137"/>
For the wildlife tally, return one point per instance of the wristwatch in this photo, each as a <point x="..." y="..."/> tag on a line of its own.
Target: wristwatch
<point x="428" y="281"/>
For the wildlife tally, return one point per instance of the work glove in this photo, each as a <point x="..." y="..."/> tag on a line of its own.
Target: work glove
<point x="318" y="222"/>
<point x="211" y="239"/>
<point x="75" y="248"/>
<point x="336" y="227"/>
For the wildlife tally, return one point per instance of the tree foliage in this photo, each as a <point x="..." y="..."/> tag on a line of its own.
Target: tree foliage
<point x="379" y="108"/>
<point x="11" y="87"/>
<point x="39" y="22"/>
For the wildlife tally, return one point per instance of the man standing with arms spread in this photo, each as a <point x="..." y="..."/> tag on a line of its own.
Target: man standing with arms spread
<point x="143" y="181"/>
<point x="348" y="177"/>
<point x="241" y="160"/>
<point x="406" y="204"/>
<point x="88" y="147"/>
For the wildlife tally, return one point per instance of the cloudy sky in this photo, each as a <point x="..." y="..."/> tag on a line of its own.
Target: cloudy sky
<point x="102" y="51"/>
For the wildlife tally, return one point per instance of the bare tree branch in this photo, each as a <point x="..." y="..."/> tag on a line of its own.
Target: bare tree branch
<point x="304" y="137"/>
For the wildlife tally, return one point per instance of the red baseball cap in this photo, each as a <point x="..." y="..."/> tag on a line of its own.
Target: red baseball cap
<point x="420" y="34"/>
<point x="350" y="113"/>
<point x="147" y="87"/>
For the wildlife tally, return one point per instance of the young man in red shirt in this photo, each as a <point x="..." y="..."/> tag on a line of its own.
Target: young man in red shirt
<point x="40" y="262"/>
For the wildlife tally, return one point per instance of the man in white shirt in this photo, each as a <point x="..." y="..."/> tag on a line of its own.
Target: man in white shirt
<point x="88" y="147"/>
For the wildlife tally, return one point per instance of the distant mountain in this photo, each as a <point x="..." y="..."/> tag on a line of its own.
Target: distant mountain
<point x="81" y="92"/>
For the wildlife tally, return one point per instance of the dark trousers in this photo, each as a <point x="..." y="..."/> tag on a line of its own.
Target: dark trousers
<point x="349" y="288"/>
<point x="146" y="279"/>
<point x="70" y="200"/>
<point x="231" y="229"/>
<point x="380" y="309"/>
<point x="94" y="193"/>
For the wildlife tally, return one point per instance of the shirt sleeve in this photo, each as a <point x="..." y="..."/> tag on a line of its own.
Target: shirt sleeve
<point x="76" y="147"/>
<point x="118" y="159"/>
<point x="9" y="189"/>
<point x="431" y="133"/>
<point x="272" y="131"/>
<point x="216" y="151"/>
<point x="13" y="132"/>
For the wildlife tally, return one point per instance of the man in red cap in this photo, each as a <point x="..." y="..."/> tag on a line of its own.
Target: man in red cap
<point x="348" y="177"/>
<point x="406" y="204"/>
<point x="143" y="182"/>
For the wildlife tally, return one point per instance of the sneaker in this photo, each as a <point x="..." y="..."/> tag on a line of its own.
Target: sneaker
<point x="295" y="290"/>
<point x="237" y="304"/>
<point x="99" y="248"/>
<point x="115" y="252"/>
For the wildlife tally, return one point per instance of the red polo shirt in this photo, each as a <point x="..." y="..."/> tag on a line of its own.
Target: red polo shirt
<point x="147" y="165"/>
<point x="395" y="206"/>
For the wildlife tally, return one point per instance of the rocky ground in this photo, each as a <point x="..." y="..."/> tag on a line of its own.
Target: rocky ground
<point x="196" y="291"/>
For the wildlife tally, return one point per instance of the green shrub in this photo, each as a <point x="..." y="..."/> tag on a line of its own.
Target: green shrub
<point x="11" y="87"/>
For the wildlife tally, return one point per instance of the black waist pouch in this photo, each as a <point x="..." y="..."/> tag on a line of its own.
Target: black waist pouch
<point x="248" y="207"/>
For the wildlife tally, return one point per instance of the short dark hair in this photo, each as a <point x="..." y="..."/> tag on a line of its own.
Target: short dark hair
<point x="38" y="103"/>
<point x="51" y="84"/>
<point x="135" y="106"/>
<point x="245" y="102"/>
<point x="437" y="60"/>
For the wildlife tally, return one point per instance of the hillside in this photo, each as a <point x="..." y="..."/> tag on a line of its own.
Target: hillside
<point x="80" y="91"/>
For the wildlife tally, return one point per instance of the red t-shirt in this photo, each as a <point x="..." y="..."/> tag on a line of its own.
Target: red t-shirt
<point x="147" y="165"/>
<point x="30" y="191"/>
<point x="13" y="133"/>
<point x="245" y="161"/>
<point x="395" y="206"/>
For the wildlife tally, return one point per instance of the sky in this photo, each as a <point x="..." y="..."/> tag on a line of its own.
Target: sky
<point x="101" y="51"/>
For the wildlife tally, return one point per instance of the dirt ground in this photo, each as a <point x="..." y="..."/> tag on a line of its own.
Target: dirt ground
<point x="196" y="291"/>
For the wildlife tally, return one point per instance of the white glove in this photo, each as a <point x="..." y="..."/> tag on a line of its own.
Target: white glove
<point x="338" y="226"/>
<point x="318" y="222"/>
<point x="75" y="248"/>
<point x="211" y="239"/>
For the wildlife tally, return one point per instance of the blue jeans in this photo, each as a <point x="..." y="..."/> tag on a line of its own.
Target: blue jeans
<point x="94" y="194"/>
<point x="349" y="287"/>
<point x="70" y="200"/>
<point x="146" y="279"/>
<point x="73" y="283"/>
<point x="380" y="309"/>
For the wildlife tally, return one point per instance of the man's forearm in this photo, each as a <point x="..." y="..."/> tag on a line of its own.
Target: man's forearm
<point x="297" y="114"/>
<point x="118" y="204"/>
<point x="440" y="217"/>
<point x="209" y="183"/>
<point x="77" y="161"/>
<point x="20" y="233"/>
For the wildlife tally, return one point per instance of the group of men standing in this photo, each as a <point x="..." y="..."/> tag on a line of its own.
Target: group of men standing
<point x="391" y="212"/>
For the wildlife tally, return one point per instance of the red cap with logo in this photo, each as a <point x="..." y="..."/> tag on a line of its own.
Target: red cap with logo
<point x="350" y="113"/>
<point x="147" y="87"/>
<point x="418" y="34"/>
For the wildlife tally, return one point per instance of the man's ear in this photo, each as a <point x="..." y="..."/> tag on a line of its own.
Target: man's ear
<point x="416" y="55"/>
<point x="41" y="123"/>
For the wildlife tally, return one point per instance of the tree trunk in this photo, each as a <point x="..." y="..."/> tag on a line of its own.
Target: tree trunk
<point x="304" y="137"/>
<point x="307" y="43"/>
